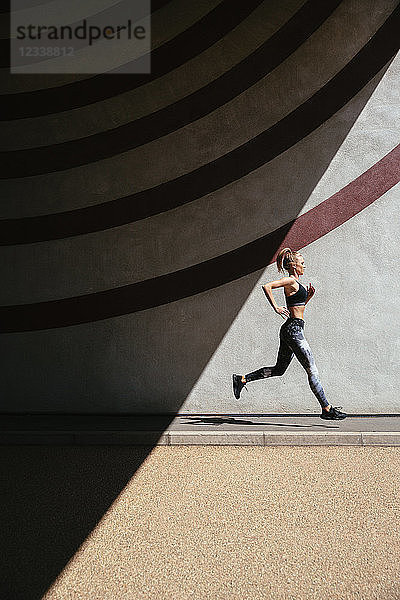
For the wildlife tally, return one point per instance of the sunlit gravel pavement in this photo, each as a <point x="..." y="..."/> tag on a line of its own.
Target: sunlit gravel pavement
<point x="247" y="523"/>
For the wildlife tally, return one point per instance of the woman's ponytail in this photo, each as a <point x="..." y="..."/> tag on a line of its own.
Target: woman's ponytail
<point x="284" y="258"/>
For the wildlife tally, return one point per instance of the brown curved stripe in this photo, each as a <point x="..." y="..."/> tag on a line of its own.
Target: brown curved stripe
<point x="175" y="52"/>
<point x="207" y="275"/>
<point x="224" y="170"/>
<point x="74" y="153"/>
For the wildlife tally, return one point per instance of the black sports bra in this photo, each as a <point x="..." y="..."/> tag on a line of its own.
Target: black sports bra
<point x="299" y="298"/>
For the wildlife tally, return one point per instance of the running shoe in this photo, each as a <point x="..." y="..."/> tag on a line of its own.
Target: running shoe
<point x="238" y="385"/>
<point x="333" y="413"/>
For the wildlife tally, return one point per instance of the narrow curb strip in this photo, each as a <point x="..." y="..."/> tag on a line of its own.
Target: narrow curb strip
<point x="200" y="438"/>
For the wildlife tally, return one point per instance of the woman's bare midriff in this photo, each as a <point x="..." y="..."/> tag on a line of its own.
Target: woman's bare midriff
<point x="296" y="311"/>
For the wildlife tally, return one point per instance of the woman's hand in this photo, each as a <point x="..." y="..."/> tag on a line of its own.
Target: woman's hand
<point x="281" y="310"/>
<point x="310" y="292"/>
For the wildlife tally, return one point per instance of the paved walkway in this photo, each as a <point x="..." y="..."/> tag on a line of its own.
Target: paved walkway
<point x="242" y="523"/>
<point x="260" y="430"/>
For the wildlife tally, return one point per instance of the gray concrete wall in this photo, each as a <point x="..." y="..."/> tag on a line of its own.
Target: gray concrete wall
<point x="179" y="353"/>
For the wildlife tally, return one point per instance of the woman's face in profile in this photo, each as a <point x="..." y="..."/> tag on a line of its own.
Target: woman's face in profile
<point x="300" y="265"/>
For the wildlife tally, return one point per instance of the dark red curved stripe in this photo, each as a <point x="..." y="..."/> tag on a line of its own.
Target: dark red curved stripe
<point x="66" y="155"/>
<point x="185" y="46"/>
<point x="256" y="255"/>
<point x="226" y="169"/>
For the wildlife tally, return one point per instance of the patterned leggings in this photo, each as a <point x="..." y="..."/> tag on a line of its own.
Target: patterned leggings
<point x="293" y="342"/>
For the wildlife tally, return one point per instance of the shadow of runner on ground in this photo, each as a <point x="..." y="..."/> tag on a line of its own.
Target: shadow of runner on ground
<point x="233" y="421"/>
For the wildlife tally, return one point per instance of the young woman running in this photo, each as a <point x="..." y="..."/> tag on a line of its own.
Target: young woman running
<point x="292" y="340"/>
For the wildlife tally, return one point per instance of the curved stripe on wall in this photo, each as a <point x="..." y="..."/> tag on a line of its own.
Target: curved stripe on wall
<point x="256" y="255"/>
<point x="185" y="46"/>
<point x="248" y="157"/>
<point x="57" y="157"/>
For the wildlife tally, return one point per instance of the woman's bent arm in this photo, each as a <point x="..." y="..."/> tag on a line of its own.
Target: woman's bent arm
<point x="267" y="289"/>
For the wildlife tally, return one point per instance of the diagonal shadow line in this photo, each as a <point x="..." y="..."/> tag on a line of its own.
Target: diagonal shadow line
<point x="66" y="155"/>
<point x="53" y="497"/>
<point x="105" y="15"/>
<point x="195" y="39"/>
<point x="226" y="169"/>
<point x="227" y="267"/>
